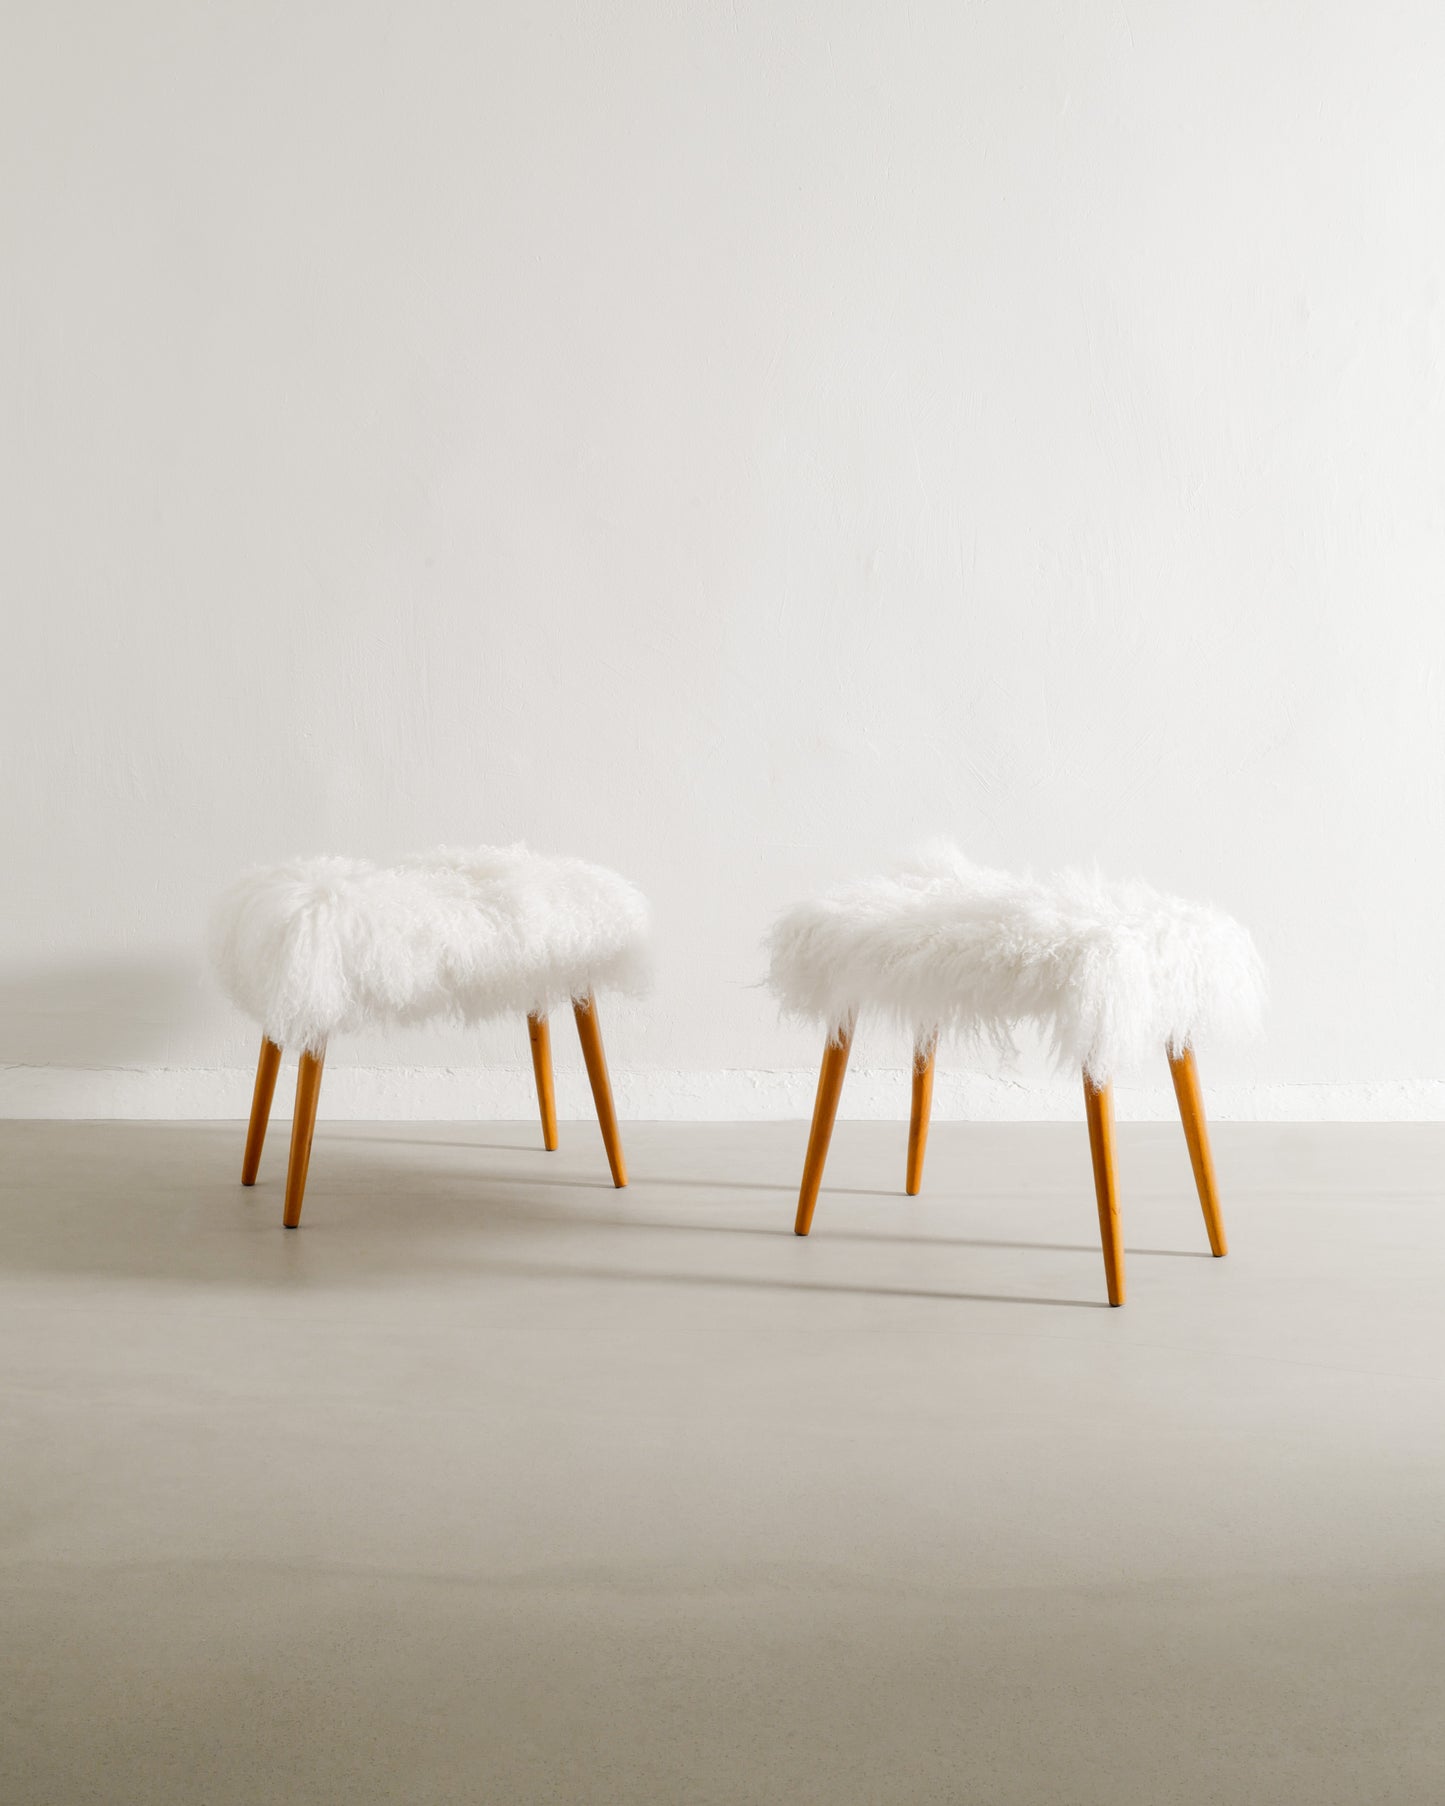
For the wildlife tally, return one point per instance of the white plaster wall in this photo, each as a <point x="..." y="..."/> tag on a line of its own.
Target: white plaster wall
<point x="729" y="441"/>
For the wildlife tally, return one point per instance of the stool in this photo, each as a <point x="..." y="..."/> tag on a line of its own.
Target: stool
<point x="1111" y="973"/>
<point x="320" y="947"/>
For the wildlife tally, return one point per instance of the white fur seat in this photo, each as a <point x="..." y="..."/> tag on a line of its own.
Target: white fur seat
<point x="320" y="947"/>
<point x="1111" y="973"/>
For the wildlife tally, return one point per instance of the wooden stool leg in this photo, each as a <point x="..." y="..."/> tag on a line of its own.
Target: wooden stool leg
<point x="1196" y="1133"/>
<point x="1099" y="1107"/>
<point x="590" y="1035"/>
<point x="267" y="1066"/>
<point x="541" y="1038"/>
<point x="918" y="1120"/>
<point x="825" y="1109"/>
<point x="303" y="1124"/>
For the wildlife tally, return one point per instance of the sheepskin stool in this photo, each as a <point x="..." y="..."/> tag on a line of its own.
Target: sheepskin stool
<point x="320" y="947"/>
<point x="1110" y="972"/>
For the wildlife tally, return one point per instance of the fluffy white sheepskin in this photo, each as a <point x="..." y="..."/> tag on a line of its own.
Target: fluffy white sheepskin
<point x="320" y="947"/>
<point x="1110" y="972"/>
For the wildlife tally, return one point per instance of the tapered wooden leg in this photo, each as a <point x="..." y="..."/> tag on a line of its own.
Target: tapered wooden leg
<point x="918" y="1120"/>
<point x="303" y="1124"/>
<point x="541" y="1038"/>
<point x="1099" y="1106"/>
<point x="825" y="1109"/>
<point x="1196" y="1133"/>
<point x="267" y="1066"/>
<point x="590" y="1036"/>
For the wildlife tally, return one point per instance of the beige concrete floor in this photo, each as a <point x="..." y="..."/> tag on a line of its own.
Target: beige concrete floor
<point x="496" y="1485"/>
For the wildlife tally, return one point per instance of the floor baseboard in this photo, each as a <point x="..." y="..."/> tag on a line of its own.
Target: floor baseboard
<point x="498" y="1094"/>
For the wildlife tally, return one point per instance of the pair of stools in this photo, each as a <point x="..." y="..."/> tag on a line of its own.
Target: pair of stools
<point x="1110" y="973"/>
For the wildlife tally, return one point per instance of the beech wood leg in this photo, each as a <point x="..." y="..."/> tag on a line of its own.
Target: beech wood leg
<point x="590" y="1036"/>
<point x="541" y="1038"/>
<point x="918" y="1120"/>
<point x="267" y="1066"/>
<point x="1196" y="1133"/>
<point x="303" y="1124"/>
<point x="825" y="1109"/>
<point x="1099" y="1107"/>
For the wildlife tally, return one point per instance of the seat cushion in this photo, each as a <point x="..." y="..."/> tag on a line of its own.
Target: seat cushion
<point x="320" y="947"/>
<point x="1109" y="972"/>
